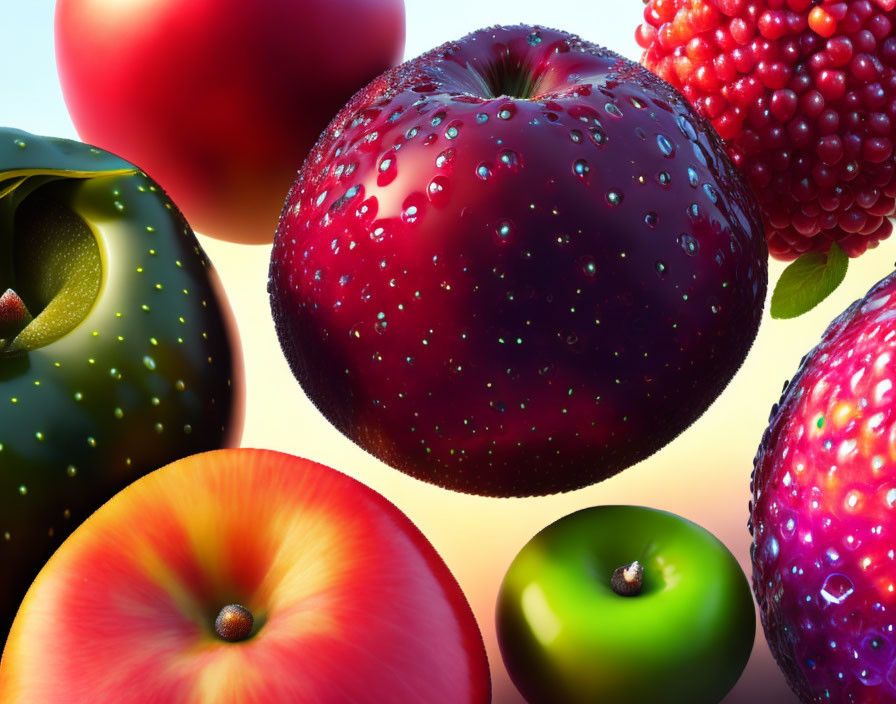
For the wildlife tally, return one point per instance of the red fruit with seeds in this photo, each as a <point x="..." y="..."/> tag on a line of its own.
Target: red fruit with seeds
<point x="517" y="265"/>
<point x="804" y="93"/>
<point x="823" y="515"/>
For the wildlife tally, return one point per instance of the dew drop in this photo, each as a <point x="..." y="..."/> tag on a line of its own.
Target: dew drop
<point x="575" y="136"/>
<point x="509" y="158"/>
<point x="661" y="268"/>
<point x="481" y="118"/>
<point x="693" y="179"/>
<point x="689" y="244"/>
<point x="613" y="109"/>
<point x="666" y="146"/>
<point x="483" y="171"/>
<point x="437" y="118"/>
<point x="534" y="39"/>
<point x="437" y="190"/>
<point x="837" y="587"/>
<point x="665" y="178"/>
<point x="589" y="266"/>
<point x="506" y="112"/>
<point x="443" y="158"/>
<point x="651" y="219"/>
<point x="614" y="198"/>
<point x="410" y="214"/>
<point x="411" y="133"/>
<point x="581" y="168"/>
<point x="504" y="231"/>
<point x="598" y="136"/>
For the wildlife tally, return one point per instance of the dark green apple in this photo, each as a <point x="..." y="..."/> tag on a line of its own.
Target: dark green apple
<point x="625" y="605"/>
<point x="117" y="353"/>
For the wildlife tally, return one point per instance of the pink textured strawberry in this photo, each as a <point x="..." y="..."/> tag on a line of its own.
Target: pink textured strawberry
<point x="517" y="264"/>
<point x="823" y="515"/>
<point x="804" y="93"/>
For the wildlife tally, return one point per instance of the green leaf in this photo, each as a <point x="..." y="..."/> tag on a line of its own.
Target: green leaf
<point x="808" y="281"/>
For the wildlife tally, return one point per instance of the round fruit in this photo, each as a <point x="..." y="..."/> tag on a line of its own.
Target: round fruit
<point x="517" y="265"/>
<point x="625" y="604"/>
<point x="219" y="100"/>
<point x="246" y="576"/>
<point x="804" y="92"/>
<point x="824" y="512"/>
<point x="116" y="352"/>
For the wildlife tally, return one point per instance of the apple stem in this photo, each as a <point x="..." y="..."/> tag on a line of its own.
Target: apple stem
<point x="14" y="315"/>
<point x="628" y="579"/>
<point x="234" y="623"/>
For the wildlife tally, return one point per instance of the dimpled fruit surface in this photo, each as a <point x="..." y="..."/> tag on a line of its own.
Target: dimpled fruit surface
<point x="823" y="514"/>
<point x="804" y="93"/>
<point x="517" y="265"/>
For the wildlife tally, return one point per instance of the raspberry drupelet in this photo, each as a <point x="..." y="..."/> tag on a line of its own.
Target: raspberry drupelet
<point x="804" y="94"/>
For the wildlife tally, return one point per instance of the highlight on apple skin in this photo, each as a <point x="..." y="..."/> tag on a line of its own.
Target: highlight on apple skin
<point x="118" y="352"/>
<point x="148" y="600"/>
<point x="517" y="265"/>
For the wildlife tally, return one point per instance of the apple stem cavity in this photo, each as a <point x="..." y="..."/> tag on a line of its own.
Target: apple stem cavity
<point x="14" y="316"/>
<point x="234" y="623"/>
<point x="628" y="579"/>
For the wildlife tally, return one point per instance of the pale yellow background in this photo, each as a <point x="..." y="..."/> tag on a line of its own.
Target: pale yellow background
<point x="703" y="475"/>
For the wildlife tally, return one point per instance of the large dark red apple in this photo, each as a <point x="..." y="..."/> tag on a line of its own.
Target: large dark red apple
<point x="251" y="577"/>
<point x="219" y="100"/>
<point x="517" y="265"/>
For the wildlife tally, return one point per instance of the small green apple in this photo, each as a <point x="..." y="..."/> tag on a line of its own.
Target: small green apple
<point x="625" y="605"/>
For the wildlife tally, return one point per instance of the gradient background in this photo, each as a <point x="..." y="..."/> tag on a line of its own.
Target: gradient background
<point x="703" y="475"/>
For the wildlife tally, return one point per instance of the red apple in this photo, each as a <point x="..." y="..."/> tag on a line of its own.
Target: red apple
<point x="245" y="576"/>
<point x="219" y="100"/>
<point x="517" y="265"/>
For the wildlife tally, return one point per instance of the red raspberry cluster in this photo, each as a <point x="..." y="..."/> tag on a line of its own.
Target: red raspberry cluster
<point x="804" y="94"/>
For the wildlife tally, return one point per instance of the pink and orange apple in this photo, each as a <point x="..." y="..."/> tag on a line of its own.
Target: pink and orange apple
<point x="322" y="591"/>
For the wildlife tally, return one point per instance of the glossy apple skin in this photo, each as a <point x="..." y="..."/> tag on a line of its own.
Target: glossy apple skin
<point x="219" y="100"/>
<point x="351" y="602"/>
<point x="461" y="302"/>
<point x="154" y="372"/>
<point x="568" y="638"/>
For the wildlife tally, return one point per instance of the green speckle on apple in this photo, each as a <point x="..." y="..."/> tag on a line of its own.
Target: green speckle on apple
<point x="117" y="352"/>
<point x="624" y="604"/>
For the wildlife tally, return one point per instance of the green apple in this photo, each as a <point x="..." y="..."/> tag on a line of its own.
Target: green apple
<point x="117" y="353"/>
<point x="625" y="605"/>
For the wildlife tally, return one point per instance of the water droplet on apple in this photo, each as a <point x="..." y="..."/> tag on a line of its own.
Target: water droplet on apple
<point x="589" y="266"/>
<point x="483" y="171"/>
<point x="665" y="145"/>
<point x="507" y="111"/>
<point x="689" y="244"/>
<point x="504" y="231"/>
<point x="510" y="159"/>
<point x="836" y="588"/>
<point x="581" y="168"/>
<point x="693" y="179"/>
<point x="598" y="136"/>
<point x="614" y="198"/>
